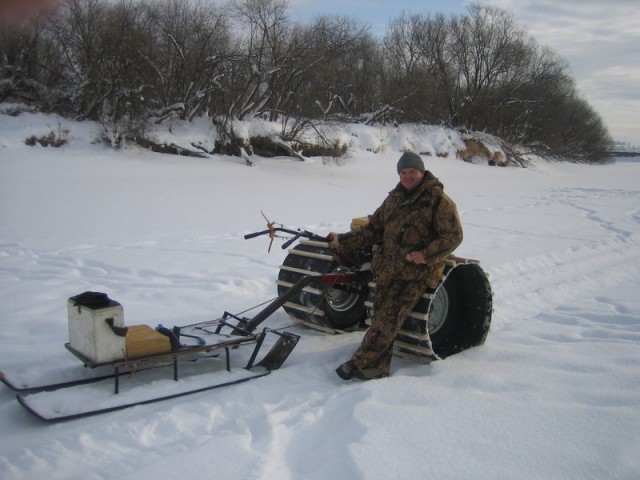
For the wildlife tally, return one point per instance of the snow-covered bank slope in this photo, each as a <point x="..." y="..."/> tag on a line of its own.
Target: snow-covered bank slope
<point x="553" y="394"/>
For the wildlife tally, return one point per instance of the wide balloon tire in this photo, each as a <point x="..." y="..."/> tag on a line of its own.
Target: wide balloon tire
<point x="460" y="310"/>
<point x="338" y="307"/>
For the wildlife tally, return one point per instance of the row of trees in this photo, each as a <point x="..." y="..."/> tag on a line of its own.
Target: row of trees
<point x="132" y="62"/>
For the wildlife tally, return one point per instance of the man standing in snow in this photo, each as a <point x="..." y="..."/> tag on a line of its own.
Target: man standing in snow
<point x="414" y="231"/>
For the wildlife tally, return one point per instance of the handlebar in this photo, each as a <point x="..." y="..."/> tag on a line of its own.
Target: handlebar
<point x="296" y="235"/>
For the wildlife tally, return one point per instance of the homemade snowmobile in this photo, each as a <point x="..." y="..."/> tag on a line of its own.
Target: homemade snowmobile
<point x="316" y="287"/>
<point x="451" y="318"/>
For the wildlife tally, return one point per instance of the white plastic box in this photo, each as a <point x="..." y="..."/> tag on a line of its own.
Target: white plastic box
<point x="91" y="335"/>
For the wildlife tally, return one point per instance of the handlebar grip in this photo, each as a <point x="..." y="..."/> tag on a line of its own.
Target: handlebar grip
<point x="286" y="244"/>
<point x="255" y="234"/>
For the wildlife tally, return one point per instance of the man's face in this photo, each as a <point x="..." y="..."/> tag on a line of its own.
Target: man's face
<point x="410" y="178"/>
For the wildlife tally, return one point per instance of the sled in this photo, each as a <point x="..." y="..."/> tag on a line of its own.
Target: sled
<point x="184" y="371"/>
<point x="197" y="350"/>
<point x="198" y="343"/>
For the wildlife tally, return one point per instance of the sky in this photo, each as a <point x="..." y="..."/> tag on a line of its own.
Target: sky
<point x="600" y="40"/>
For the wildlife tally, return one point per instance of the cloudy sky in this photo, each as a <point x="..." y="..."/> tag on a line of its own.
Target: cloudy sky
<point x="600" y="39"/>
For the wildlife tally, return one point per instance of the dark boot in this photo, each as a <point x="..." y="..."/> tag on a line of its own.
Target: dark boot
<point x="345" y="371"/>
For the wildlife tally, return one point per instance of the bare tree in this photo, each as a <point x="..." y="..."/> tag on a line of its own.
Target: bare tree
<point x="23" y="77"/>
<point x="189" y="46"/>
<point x="262" y="27"/>
<point x="344" y="55"/>
<point x="103" y="76"/>
<point x="416" y="64"/>
<point x="130" y="62"/>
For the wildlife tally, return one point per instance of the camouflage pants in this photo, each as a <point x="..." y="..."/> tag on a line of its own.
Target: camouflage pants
<point x="391" y="304"/>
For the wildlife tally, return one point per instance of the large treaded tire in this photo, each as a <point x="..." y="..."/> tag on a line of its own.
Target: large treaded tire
<point x="465" y="319"/>
<point x="336" y="307"/>
<point x="459" y="312"/>
<point x="444" y="315"/>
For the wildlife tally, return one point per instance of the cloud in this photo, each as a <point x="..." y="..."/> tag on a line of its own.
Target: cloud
<point x="601" y="41"/>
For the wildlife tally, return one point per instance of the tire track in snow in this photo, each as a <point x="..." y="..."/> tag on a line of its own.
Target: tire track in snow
<point x="27" y="265"/>
<point x="526" y="287"/>
<point x="580" y="198"/>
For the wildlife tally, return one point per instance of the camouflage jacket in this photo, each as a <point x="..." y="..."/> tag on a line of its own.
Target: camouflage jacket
<point x="424" y="220"/>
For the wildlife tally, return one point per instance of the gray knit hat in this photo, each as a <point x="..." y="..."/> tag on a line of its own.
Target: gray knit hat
<point x="410" y="160"/>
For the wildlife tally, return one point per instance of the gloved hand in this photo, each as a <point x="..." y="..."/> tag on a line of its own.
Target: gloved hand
<point x="332" y="240"/>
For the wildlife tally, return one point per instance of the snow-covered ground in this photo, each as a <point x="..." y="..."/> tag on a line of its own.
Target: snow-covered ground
<point x="553" y="394"/>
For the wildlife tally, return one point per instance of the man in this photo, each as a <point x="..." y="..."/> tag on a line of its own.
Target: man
<point x="415" y="229"/>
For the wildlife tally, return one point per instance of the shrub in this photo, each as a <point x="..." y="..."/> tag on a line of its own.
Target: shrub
<point x="50" y="140"/>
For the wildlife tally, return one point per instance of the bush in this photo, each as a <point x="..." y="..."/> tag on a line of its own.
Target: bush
<point x="50" y="140"/>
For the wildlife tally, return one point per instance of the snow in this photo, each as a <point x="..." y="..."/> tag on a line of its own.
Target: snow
<point x="552" y="394"/>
